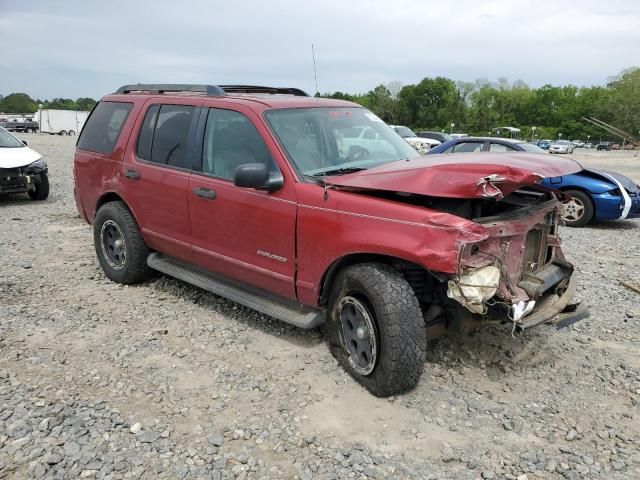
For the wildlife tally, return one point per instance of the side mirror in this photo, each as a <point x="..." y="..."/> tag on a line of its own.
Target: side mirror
<point x="256" y="175"/>
<point x="25" y="143"/>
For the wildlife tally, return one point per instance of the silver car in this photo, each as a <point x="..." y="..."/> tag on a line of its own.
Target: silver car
<point x="561" y="146"/>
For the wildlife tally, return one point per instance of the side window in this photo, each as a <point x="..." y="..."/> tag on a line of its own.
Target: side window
<point x="145" y="139"/>
<point x="230" y="139"/>
<point x="499" y="147"/>
<point x="164" y="135"/>
<point x="102" y="129"/>
<point x="467" y="147"/>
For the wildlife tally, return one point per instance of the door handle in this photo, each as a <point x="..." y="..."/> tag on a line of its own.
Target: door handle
<point x="132" y="174"/>
<point x="205" y="193"/>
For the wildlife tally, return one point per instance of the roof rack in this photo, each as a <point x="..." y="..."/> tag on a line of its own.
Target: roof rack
<point x="258" y="89"/>
<point x="209" y="90"/>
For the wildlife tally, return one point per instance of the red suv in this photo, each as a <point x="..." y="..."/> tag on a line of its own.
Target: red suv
<point x="314" y="211"/>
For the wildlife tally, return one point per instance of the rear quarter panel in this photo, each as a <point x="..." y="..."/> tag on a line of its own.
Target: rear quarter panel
<point x="96" y="174"/>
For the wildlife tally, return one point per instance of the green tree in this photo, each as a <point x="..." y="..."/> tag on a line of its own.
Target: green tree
<point x="18" y="103"/>
<point x="60" y="104"/>
<point x="85" y="103"/>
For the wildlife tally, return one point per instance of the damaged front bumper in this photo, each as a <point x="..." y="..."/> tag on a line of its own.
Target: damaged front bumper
<point x="519" y="274"/>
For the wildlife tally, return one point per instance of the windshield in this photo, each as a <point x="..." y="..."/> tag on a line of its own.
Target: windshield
<point x="337" y="140"/>
<point x="405" y="132"/>
<point x="561" y="142"/>
<point x="9" y="141"/>
<point x="528" y="147"/>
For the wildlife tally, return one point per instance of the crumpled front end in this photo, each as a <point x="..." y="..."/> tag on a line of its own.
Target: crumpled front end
<point x="518" y="273"/>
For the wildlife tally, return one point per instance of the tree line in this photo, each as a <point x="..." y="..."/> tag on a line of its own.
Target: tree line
<point x="23" y="103"/>
<point x="477" y="107"/>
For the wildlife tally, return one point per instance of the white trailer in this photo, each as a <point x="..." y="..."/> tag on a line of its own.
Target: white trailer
<point x="61" y="122"/>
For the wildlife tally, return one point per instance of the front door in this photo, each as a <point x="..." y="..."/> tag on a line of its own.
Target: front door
<point x="244" y="234"/>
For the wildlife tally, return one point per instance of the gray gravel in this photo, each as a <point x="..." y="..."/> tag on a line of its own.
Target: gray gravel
<point x="163" y="380"/>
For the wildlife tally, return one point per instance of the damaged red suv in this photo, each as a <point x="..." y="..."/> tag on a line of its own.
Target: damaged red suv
<point x="314" y="211"/>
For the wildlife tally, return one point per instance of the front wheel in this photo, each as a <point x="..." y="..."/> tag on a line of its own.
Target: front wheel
<point x="63" y="133"/>
<point x="40" y="188"/>
<point x="375" y="328"/>
<point x="579" y="209"/>
<point x="119" y="245"/>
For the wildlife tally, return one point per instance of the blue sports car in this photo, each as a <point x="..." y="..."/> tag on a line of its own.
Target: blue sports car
<point x="595" y="194"/>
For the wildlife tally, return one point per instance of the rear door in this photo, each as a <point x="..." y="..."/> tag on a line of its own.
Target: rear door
<point x="244" y="234"/>
<point x="155" y="176"/>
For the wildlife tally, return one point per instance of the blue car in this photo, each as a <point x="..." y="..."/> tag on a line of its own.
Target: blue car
<point x="595" y="194"/>
<point x="544" y="144"/>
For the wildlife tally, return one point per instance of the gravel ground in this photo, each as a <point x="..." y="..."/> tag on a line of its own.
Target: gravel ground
<point x="163" y="380"/>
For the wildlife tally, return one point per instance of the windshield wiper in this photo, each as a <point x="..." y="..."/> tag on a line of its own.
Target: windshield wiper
<point x="337" y="171"/>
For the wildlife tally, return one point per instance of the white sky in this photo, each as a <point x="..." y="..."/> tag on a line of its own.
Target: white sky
<point x="84" y="48"/>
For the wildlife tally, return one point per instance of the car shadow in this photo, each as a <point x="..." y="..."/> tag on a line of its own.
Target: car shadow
<point x="11" y="200"/>
<point x="615" y="224"/>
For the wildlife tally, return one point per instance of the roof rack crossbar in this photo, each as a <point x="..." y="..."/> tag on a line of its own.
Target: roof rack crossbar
<point x="210" y="90"/>
<point x="260" y="89"/>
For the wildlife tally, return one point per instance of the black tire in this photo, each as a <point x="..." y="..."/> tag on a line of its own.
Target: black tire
<point x="126" y="262"/>
<point x="41" y="188"/>
<point x="72" y="133"/>
<point x="63" y="133"/>
<point x="398" y="328"/>
<point x="573" y="217"/>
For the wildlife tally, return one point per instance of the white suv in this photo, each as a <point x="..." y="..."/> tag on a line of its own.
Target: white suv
<point x="422" y="145"/>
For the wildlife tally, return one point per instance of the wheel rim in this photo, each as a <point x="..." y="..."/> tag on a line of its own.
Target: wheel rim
<point x="358" y="334"/>
<point x="113" y="244"/>
<point x="573" y="210"/>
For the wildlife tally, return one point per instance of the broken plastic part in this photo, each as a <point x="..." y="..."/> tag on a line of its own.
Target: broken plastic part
<point x="520" y="309"/>
<point x="474" y="288"/>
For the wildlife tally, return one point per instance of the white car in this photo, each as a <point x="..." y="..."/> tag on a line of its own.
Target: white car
<point x="422" y="145"/>
<point x="358" y="138"/>
<point x="577" y="143"/>
<point x="561" y="146"/>
<point x="22" y="170"/>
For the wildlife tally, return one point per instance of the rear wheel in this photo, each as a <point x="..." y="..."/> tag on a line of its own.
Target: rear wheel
<point x="71" y="133"/>
<point x="41" y="188"/>
<point x="579" y="209"/>
<point x="375" y="328"/>
<point x="63" y="132"/>
<point x="119" y="245"/>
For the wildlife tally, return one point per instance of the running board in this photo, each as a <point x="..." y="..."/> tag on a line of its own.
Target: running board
<point x="282" y="309"/>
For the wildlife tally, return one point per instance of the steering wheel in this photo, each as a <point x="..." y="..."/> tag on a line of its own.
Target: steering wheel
<point x="357" y="153"/>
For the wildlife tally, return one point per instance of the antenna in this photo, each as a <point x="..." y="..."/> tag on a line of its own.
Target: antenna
<point x="317" y="95"/>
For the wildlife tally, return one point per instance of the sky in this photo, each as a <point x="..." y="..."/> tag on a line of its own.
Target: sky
<point x="89" y="48"/>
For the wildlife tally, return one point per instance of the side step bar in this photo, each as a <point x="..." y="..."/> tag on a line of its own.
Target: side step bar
<point x="282" y="309"/>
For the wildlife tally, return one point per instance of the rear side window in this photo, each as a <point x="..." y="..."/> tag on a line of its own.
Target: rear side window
<point x="164" y="135"/>
<point x="468" y="147"/>
<point x="103" y="127"/>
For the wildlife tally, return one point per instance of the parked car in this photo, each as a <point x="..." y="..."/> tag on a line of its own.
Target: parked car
<point x="544" y="144"/>
<point x="249" y="195"/>
<point x="588" y="145"/>
<point x="422" y="145"/>
<point x="593" y="194"/>
<point x="22" y="170"/>
<point x="440" y="136"/>
<point x="577" y="143"/>
<point x="561" y="146"/>
<point x="603" y="146"/>
<point x="22" y="125"/>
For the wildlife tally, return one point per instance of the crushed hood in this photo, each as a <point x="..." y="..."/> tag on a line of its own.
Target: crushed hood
<point x="461" y="175"/>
